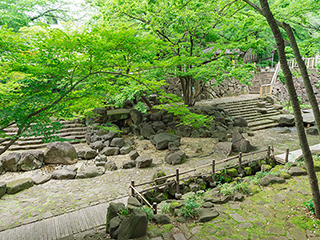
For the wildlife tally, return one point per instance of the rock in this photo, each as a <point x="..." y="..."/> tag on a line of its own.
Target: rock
<point x="95" y="138"/>
<point x="134" y="155"/>
<point x="261" y="104"/>
<point x="221" y="200"/>
<point x="166" y="119"/>
<point x="158" y="125"/>
<point x="262" y="110"/>
<point x="277" y="107"/>
<point x="265" y="168"/>
<point x="147" y="131"/>
<point x="109" y="136"/>
<point x="238" y="197"/>
<point x="128" y="164"/>
<point x="112" y="212"/>
<point x="185" y="131"/>
<point x="175" y="157"/>
<point x="156" y="116"/>
<point x="287" y="120"/>
<point x="270" y="179"/>
<point x="143" y="162"/>
<point x="63" y="174"/>
<point x="312" y="130"/>
<point x="125" y="149"/>
<point x="269" y="99"/>
<point x="158" y="174"/>
<point x="296" y="171"/>
<point x="31" y="160"/>
<point x="240" y="122"/>
<point x="134" y="226"/>
<point x="207" y="214"/>
<point x="90" y="171"/>
<point x="10" y="161"/>
<point x="1" y="168"/>
<point x="135" y="129"/>
<point x="223" y="148"/>
<point x="41" y="178"/>
<point x="97" y="145"/>
<point x="110" y="151"/>
<point x="285" y="130"/>
<point x="136" y="116"/>
<point x="111" y="166"/>
<point x="195" y="134"/>
<point x="161" y="141"/>
<point x="87" y="153"/>
<point x="114" y="225"/>
<point x="117" y="142"/>
<point x="161" y="219"/>
<point x="207" y="205"/>
<point x="3" y="188"/>
<point x="133" y="203"/>
<point x="285" y="175"/>
<point x="15" y="186"/>
<point x="60" y="152"/>
<point x="194" y="187"/>
<point x="239" y="143"/>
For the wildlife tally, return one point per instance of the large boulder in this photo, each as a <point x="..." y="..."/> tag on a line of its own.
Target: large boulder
<point x="10" y="161"/>
<point x="240" y="122"/>
<point x="161" y="219"/>
<point x="134" y="226"/>
<point x="175" y="157"/>
<point x="60" y="152"/>
<point x="296" y="171"/>
<point x="143" y="162"/>
<point x="270" y="179"/>
<point x="185" y="131"/>
<point x="17" y="185"/>
<point x="128" y="164"/>
<point x="239" y="143"/>
<point x="223" y="148"/>
<point x="31" y="160"/>
<point x="136" y="116"/>
<point x="90" y="171"/>
<point x="207" y="214"/>
<point x="162" y="140"/>
<point x="146" y="131"/>
<point x="117" y="142"/>
<point x="112" y="212"/>
<point x="63" y="174"/>
<point x="287" y="120"/>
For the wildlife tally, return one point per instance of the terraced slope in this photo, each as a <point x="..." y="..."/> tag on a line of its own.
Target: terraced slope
<point x="74" y="130"/>
<point x="249" y="110"/>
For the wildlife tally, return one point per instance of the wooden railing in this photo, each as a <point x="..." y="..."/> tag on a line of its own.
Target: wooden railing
<point x="266" y="89"/>
<point x="176" y="177"/>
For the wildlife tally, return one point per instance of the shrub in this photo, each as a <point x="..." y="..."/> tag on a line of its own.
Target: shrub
<point x="165" y="208"/>
<point x="190" y="209"/>
<point x="124" y="212"/>
<point x="309" y="205"/>
<point x="148" y="211"/>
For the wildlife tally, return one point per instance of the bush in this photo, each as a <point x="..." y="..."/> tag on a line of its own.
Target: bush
<point x="309" y="205"/>
<point x="190" y="209"/>
<point x="148" y="211"/>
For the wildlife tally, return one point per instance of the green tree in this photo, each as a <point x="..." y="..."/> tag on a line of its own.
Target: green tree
<point x="47" y="74"/>
<point x="203" y="39"/>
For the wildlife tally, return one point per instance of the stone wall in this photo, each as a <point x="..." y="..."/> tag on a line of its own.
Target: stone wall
<point x="264" y="76"/>
<point x="280" y="91"/>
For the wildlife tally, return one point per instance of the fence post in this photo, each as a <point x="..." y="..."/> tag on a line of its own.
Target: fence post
<point x="177" y="181"/>
<point x="154" y="205"/>
<point x="287" y="156"/>
<point x="132" y="191"/>
<point x="213" y="173"/>
<point x="272" y="150"/>
<point x="239" y="164"/>
<point x="268" y="155"/>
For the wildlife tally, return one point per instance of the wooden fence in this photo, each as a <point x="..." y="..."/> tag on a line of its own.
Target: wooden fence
<point x="176" y="177"/>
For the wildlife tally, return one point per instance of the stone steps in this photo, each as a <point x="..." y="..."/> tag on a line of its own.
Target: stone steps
<point x="73" y="130"/>
<point x="248" y="110"/>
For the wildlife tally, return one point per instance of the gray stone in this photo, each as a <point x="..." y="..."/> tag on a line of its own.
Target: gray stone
<point x="117" y="142"/>
<point x="262" y="110"/>
<point x="90" y="171"/>
<point x="312" y="130"/>
<point x="270" y="179"/>
<point x="296" y="171"/>
<point x="223" y="148"/>
<point x="207" y="205"/>
<point x="111" y="166"/>
<point x="109" y="136"/>
<point x="112" y="212"/>
<point x="97" y="145"/>
<point x="298" y="233"/>
<point x="261" y="104"/>
<point x="285" y="130"/>
<point x="135" y="129"/>
<point x="15" y="186"/>
<point x="185" y="131"/>
<point x="128" y="164"/>
<point x="158" y="125"/>
<point x="161" y="219"/>
<point x="156" y="116"/>
<point x="125" y="149"/>
<point x="175" y="157"/>
<point x="63" y="174"/>
<point x="244" y="225"/>
<point x="134" y="226"/>
<point x="237" y="217"/>
<point x="110" y="151"/>
<point x="238" y="197"/>
<point x="143" y="162"/>
<point x="239" y="143"/>
<point x="10" y="161"/>
<point x="60" y="152"/>
<point x="3" y="188"/>
<point x="1" y="168"/>
<point x="147" y="131"/>
<point x="195" y="134"/>
<point x="207" y="214"/>
<point x="287" y="120"/>
<point x="134" y="155"/>
<point x="41" y="178"/>
<point x="161" y="141"/>
<point x="240" y="122"/>
<point x="136" y="116"/>
<point x="31" y="160"/>
<point x="114" y="225"/>
<point x="221" y="200"/>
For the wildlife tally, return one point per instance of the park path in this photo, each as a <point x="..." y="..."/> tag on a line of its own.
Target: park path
<point x="297" y="154"/>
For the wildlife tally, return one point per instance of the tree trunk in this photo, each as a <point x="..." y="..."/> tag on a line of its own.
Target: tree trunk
<point x="187" y="85"/>
<point x="295" y="105"/>
<point x="304" y="73"/>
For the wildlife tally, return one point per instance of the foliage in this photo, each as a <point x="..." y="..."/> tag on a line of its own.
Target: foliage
<point x="190" y="209"/>
<point x="148" y="211"/>
<point x="309" y="205"/>
<point x="256" y="178"/>
<point x="231" y="188"/>
<point x="124" y="212"/>
<point x="165" y="208"/>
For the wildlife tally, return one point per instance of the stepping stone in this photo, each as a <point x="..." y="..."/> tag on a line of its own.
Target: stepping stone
<point x="206" y="215"/>
<point x="296" y="171"/>
<point x="40" y="179"/>
<point x="18" y="185"/>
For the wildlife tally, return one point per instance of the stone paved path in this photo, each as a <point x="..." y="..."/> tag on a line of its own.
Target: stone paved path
<point x="297" y="154"/>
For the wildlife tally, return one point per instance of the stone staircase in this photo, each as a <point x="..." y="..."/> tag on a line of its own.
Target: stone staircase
<point x="74" y="130"/>
<point x="248" y="109"/>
